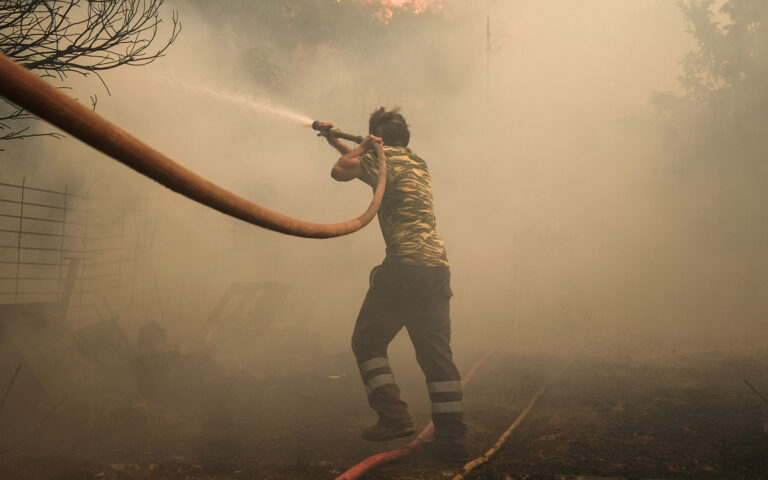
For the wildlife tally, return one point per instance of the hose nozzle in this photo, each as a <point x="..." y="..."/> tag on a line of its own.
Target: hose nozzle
<point x="335" y="133"/>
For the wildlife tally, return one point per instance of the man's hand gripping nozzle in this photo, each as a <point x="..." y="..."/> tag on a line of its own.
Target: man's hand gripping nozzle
<point x="329" y="130"/>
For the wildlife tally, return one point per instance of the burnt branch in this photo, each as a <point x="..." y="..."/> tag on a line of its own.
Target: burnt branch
<point x="56" y="38"/>
<point x="11" y="117"/>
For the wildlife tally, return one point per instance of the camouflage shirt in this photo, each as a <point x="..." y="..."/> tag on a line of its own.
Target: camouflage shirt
<point x="406" y="216"/>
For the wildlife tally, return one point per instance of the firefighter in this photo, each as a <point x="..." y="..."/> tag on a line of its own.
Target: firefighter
<point x="411" y="288"/>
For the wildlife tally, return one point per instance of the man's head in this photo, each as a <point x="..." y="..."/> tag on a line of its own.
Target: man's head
<point x="390" y="126"/>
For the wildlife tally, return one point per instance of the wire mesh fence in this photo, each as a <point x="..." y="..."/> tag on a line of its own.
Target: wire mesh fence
<point x="34" y="241"/>
<point x="48" y="235"/>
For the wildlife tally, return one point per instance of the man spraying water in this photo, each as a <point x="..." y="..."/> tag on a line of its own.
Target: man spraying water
<point x="411" y="288"/>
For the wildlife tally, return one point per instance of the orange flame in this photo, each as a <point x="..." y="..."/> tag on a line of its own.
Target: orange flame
<point x="388" y="7"/>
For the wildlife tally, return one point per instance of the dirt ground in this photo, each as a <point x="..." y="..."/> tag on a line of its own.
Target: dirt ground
<point x="676" y="416"/>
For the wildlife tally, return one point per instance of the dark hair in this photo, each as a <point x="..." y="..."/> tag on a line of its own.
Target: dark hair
<point x="391" y="126"/>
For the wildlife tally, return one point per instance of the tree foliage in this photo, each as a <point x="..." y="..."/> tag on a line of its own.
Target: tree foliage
<point x="716" y="132"/>
<point x="57" y="38"/>
<point x="732" y="54"/>
<point x="725" y="78"/>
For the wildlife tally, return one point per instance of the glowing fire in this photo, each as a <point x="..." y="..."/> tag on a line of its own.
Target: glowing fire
<point x="388" y="7"/>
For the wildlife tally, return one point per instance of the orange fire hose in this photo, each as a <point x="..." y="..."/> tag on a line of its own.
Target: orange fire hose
<point x="373" y="461"/>
<point x="26" y="90"/>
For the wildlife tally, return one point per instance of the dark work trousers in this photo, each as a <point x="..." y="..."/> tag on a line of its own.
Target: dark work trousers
<point x="417" y="298"/>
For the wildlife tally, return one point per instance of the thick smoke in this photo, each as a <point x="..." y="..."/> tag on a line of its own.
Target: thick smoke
<point x="567" y="219"/>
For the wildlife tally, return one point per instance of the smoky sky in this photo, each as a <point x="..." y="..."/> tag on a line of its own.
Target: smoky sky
<point x="555" y="193"/>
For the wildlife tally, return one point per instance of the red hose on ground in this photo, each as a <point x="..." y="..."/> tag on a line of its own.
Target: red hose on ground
<point x="375" y="460"/>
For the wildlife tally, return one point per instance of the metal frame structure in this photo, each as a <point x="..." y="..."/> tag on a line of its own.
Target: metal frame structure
<point x="60" y="247"/>
<point x="37" y="225"/>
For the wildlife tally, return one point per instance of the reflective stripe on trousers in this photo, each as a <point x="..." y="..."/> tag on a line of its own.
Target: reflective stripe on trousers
<point x="376" y="379"/>
<point x="375" y="362"/>
<point x="446" y="396"/>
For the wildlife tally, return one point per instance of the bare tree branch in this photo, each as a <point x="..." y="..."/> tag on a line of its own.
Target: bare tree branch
<point x="61" y="37"/>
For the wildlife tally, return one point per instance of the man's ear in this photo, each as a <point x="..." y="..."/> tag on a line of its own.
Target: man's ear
<point x="380" y="132"/>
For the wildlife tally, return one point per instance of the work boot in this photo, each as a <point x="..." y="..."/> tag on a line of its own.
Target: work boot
<point x="454" y="453"/>
<point x="381" y="432"/>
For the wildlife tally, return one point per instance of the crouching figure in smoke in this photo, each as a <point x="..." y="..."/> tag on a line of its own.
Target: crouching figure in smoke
<point x="411" y="288"/>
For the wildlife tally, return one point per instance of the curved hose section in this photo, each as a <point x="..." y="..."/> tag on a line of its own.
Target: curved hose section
<point x="26" y="90"/>
<point x="375" y="460"/>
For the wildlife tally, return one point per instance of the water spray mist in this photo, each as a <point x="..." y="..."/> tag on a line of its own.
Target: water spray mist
<point x="253" y="104"/>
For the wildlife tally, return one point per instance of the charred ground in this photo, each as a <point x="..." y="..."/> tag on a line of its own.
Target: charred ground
<point x="673" y="416"/>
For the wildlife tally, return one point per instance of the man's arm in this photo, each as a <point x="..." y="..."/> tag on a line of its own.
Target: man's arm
<point x="348" y="166"/>
<point x="338" y="145"/>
